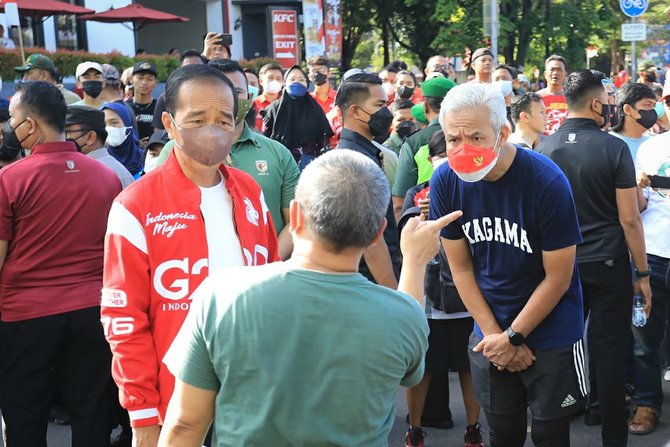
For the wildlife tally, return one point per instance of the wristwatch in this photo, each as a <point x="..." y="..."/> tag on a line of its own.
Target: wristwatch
<point x="644" y="274"/>
<point x="515" y="338"/>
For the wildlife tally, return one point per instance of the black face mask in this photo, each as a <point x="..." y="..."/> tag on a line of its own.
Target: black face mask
<point x="650" y="76"/>
<point x="606" y="113"/>
<point x="647" y="118"/>
<point x="405" y="92"/>
<point x="74" y="141"/>
<point x="319" y="79"/>
<point x="11" y="134"/>
<point x="11" y="147"/>
<point x="405" y="128"/>
<point x="380" y="121"/>
<point x="92" y="88"/>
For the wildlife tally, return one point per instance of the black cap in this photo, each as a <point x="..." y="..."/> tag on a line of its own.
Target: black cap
<point x="159" y="137"/>
<point x="87" y="118"/>
<point x="147" y="67"/>
<point x="479" y="52"/>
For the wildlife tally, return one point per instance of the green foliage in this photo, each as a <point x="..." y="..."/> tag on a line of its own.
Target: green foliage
<point x="256" y="64"/>
<point x="530" y="30"/>
<point x="66" y="61"/>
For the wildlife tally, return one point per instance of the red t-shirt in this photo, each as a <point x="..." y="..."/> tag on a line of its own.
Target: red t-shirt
<point x="53" y="212"/>
<point x="557" y="112"/>
<point x="329" y="103"/>
<point x="261" y="102"/>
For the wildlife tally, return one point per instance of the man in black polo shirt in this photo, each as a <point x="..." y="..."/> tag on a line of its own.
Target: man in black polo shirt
<point x="602" y="175"/>
<point x="407" y="173"/>
<point x="143" y="103"/>
<point x="362" y="101"/>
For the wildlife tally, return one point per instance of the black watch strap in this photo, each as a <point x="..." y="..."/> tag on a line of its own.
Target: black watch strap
<point x="644" y="274"/>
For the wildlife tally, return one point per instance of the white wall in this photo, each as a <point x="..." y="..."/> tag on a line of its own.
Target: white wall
<point x="238" y="38"/>
<point x="49" y="26"/>
<point x="108" y="37"/>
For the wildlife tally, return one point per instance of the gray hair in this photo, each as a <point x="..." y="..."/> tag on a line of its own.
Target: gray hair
<point x="472" y="95"/>
<point x="344" y="197"/>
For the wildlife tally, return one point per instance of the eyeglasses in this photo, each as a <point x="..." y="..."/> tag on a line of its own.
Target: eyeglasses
<point x="71" y="131"/>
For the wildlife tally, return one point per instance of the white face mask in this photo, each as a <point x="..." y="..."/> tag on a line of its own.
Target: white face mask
<point x="116" y="135"/>
<point x="479" y="175"/>
<point x="274" y="87"/>
<point x="504" y="86"/>
<point x="388" y="88"/>
<point x="150" y="163"/>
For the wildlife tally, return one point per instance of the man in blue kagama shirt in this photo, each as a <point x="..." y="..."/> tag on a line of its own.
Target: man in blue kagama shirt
<point x="512" y="255"/>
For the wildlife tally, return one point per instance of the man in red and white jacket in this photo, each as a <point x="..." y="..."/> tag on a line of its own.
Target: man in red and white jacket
<point x="167" y="232"/>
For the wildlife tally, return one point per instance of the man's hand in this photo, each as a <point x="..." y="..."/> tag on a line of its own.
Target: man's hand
<point x="643" y="181"/>
<point x="642" y="287"/>
<point x="146" y="436"/>
<point x="497" y="349"/>
<point x="522" y="359"/>
<point x="420" y="241"/>
<point x="211" y="39"/>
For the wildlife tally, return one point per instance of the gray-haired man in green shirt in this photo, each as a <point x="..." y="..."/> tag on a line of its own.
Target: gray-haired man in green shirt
<point x="307" y="352"/>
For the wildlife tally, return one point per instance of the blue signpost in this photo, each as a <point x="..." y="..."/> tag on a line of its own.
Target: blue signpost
<point x="633" y="9"/>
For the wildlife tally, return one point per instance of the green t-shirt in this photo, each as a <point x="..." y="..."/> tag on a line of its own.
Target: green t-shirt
<point x="299" y="357"/>
<point x="424" y="167"/>
<point x="394" y="143"/>
<point x="407" y="174"/>
<point x="269" y="162"/>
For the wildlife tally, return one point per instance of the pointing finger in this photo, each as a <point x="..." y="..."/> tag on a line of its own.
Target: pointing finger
<point x="445" y="220"/>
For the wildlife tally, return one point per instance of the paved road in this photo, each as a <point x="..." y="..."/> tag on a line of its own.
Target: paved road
<point x="581" y="435"/>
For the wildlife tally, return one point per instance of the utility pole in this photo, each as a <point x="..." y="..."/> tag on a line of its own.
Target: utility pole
<point x="495" y="25"/>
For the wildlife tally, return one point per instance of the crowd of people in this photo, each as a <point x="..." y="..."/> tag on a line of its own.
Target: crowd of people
<point x="264" y="258"/>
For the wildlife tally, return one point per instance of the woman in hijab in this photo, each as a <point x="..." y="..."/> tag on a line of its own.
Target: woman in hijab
<point x="123" y="143"/>
<point x="297" y="121"/>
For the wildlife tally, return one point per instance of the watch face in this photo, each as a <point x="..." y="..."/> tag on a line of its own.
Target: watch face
<point x="515" y="339"/>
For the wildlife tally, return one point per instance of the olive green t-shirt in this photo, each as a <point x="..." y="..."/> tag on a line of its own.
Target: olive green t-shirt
<point x="406" y="175"/>
<point x="300" y="357"/>
<point x="269" y="162"/>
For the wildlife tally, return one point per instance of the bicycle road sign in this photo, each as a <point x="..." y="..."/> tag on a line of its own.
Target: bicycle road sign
<point x="634" y="8"/>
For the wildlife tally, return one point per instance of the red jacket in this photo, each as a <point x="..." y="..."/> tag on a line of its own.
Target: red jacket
<point x="155" y="257"/>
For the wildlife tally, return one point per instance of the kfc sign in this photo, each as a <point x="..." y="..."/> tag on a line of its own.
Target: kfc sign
<point x="285" y="44"/>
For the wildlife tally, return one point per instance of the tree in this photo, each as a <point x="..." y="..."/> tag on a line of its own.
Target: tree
<point x="356" y="21"/>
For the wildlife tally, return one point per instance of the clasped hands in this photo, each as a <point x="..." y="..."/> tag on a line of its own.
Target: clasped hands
<point x="499" y="351"/>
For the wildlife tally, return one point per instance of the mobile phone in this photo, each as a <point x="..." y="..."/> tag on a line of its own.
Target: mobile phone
<point x="225" y="39"/>
<point x="659" y="181"/>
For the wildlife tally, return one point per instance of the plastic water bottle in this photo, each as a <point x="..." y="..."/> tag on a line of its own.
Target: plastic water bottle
<point x="639" y="317"/>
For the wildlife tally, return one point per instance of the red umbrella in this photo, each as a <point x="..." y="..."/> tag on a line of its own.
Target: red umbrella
<point x="45" y="8"/>
<point x="135" y="13"/>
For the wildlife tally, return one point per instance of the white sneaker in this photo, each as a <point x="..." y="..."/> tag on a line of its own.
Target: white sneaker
<point x="666" y="376"/>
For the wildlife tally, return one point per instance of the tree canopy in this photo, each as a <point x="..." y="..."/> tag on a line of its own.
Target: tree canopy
<point x="530" y="30"/>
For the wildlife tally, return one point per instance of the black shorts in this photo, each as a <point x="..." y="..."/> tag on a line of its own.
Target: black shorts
<point x="552" y="387"/>
<point x="448" y="346"/>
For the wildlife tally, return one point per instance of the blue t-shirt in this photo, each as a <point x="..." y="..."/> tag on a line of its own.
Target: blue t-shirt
<point x="633" y="143"/>
<point x="508" y="223"/>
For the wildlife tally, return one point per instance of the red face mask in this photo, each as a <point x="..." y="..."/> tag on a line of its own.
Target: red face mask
<point x="472" y="163"/>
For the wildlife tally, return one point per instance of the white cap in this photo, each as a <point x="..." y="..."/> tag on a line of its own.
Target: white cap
<point x="85" y="66"/>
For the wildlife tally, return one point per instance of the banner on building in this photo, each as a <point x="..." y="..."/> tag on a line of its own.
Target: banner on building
<point x="315" y="42"/>
<point x="285" y="43"/>
<point x="333" y="22"/>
